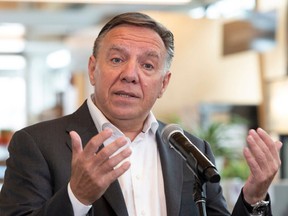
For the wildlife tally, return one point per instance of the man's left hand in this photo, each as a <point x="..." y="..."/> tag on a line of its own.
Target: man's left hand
<point x="262" y="156"/>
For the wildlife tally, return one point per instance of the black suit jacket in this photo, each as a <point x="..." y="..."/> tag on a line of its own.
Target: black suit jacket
<point x="39" y="168"/>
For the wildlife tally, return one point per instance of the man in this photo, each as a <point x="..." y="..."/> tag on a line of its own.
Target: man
<point x="107" y="158"/>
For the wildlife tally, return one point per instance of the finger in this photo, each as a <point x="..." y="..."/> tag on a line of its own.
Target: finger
<point x="117" y="165"/>
<point x="252" y="163"/>
<point x="267" y="148"/>
<point x="116" y="160"/>
<point x="269" y="142"/>
<point x="264" y="135"/>
<point x="273" y="148"/>
<point x="120" y="170"/>
<point x="95" y="142"/>
<point x="255" y="142"/>
<point x="76" y="142"/>
<point x="279" y="145"/>
<point x="258" y="149"/>
<point x="109" y="150"/>
<point x="76" y="146"/>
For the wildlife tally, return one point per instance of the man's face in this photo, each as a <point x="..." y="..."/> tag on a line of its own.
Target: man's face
<point x="128" y="73"/>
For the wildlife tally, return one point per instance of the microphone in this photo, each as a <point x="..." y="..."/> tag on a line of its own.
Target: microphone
<point x="196" y="161"/>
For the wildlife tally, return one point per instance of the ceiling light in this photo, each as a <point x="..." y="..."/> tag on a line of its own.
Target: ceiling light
<point x="12" y="37"/>
<point x="59" y="59"/>
<point x="197" y="13"/>
<point x="11" y="30"/>
<point x="12" y="62"/>
<point x="166" y="2"/>
<point x="12" y="45"/>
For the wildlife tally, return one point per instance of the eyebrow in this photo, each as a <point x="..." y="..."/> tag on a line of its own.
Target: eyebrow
<point x="152" y="54"/>
<point x="149" y="53"/>
<point x="116" y="48"/>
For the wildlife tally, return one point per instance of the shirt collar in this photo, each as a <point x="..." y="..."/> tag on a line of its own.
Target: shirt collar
<point x="102" y="122"/>
<point x="99" y="119"/>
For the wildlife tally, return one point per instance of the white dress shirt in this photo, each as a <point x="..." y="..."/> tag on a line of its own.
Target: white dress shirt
<point x="142" y="184"/>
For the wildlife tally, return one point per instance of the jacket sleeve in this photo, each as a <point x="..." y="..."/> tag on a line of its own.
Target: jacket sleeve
<point x="240" y="208"/>
<point x="28" y="187"/>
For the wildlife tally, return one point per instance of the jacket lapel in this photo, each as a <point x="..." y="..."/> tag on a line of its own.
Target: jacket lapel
<point x="172" y="167"/>
<point x="115" y="198"/>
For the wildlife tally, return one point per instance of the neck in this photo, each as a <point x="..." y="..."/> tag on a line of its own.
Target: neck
<point x="129" y="128"/>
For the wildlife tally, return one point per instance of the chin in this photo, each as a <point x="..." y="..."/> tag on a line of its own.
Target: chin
<point x="124" y="114"/>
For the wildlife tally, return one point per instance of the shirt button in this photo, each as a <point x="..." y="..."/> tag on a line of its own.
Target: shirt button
<point x="138" y="177"/>
<point x="143" y="212"/>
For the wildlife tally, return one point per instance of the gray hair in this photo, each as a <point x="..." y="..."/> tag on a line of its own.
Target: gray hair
<point x="141" y="20"/>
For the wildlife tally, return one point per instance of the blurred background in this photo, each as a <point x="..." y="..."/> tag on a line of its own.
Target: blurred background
<point x="229" y="73"/>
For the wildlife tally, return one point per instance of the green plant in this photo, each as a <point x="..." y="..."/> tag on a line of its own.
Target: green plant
<point x="214" y="135"/>
<point x="235" y="168"/>
<point x="234" y="163"/>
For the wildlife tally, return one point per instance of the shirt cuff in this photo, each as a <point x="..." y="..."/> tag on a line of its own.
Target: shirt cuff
<point x="79" y="208"/>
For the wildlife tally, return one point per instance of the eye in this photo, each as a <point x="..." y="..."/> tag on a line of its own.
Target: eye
<point x="116" y="60"/>
<point x="148" y="66"/>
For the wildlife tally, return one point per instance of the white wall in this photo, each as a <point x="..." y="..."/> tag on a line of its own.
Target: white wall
<point x="200" y="73"/>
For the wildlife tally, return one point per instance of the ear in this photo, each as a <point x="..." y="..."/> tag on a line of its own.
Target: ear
<point x="91" y="69"/>
<point x="165" y="83"/>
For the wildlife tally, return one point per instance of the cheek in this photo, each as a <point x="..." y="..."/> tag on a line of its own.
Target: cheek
<point x="153" y="89"/>
<point x="145" y="85"/>
<point x="98" y="77"/>
<point x="103" y="83"/>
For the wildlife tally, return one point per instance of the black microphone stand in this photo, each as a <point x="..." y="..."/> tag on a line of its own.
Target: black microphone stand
<point x="210" y="174"/>
<point x="199" y="196"/>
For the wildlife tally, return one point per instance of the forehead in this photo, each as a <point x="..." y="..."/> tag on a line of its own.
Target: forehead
<point x="130" y="35"/>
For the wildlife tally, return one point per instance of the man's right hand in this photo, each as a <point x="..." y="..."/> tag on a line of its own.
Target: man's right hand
<point x="93" y="173"/>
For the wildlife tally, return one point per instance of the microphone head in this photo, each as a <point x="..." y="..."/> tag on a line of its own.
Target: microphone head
<point x="168" y="130"/>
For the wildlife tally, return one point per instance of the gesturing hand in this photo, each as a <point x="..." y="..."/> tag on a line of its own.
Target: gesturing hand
<point x="262" y="156"/>
<point x="93" y="173"/>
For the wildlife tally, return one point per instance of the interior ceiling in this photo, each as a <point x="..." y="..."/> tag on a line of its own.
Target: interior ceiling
<point x="56" y="20"/>
<point x="49" y="24"/>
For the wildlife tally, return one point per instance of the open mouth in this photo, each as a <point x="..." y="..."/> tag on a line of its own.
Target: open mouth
<point x="126" y="94"/>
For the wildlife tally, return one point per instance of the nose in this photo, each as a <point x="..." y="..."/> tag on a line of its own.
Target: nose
<point x="130" y="73"/>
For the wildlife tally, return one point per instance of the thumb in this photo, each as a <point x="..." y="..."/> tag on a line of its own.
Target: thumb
<point x="76" y="143"/>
